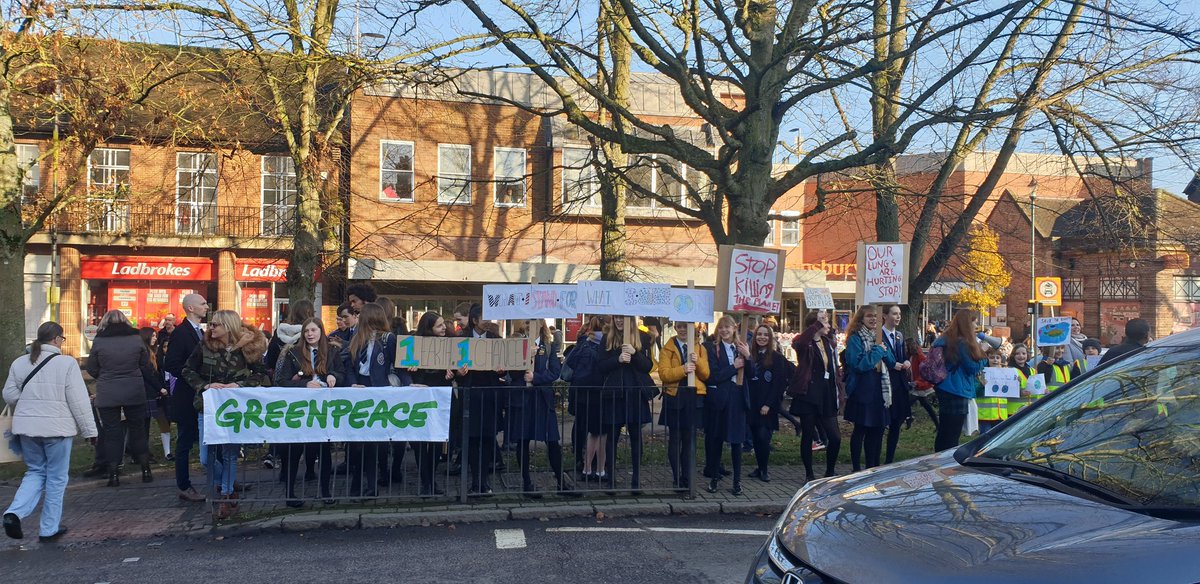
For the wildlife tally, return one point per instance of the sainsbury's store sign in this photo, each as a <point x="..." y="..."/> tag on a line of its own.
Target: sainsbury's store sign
<point x="261" y="270"/>
<point x="98" y="268"/>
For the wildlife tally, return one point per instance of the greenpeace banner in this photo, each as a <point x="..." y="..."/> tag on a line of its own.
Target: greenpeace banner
<point x="281" y="415"/>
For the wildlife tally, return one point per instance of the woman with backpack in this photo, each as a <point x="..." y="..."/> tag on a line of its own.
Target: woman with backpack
<point x="960" y="351"/>
<point x="817" y="391"/>
<point x="868" y="387"/>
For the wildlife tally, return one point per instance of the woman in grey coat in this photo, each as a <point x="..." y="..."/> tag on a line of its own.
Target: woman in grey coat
<point x="120" y="363"/>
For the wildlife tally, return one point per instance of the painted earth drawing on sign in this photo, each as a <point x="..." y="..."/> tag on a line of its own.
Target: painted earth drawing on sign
<point x="684" y="304"/>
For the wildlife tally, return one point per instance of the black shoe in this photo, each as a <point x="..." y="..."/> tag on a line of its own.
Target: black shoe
<point x="908" y="423"/>
<point x="53" y="538"/>
<point x="764" y="476"/>
<point x="95" y="472"/>
<point x="531" y="491"/>
<point x="146" y="476"/>
<point x="114" y="480"/>
<point x="724" y="472"/>
<point x="171" y="457"/>
<point x="756" y="473"/>
<point x="12" y="526"/>
<point x="712" y="485"/>
<point x="809" y="477"/>
<point x="294" y="503"/>
<point x="830" y="474"/>
<point x="737" y="489"/>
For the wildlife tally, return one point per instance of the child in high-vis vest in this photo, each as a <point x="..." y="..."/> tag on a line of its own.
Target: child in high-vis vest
<point x="1019" y="360"/>
<point x="1054" y="368"/>
<point x="992" y="410"/>
<point x="1091" y="348"/>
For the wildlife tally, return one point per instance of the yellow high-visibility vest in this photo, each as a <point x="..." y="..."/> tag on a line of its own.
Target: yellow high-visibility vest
<point x="1015" y="404"/>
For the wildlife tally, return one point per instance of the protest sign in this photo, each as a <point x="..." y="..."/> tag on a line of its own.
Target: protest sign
<point x="1053" y="331"/>
<point x="882" y="273"/>
<point x="456" y="352"/>
<point x="1001" y="382"/>
<point x="691" y="305"/>
<point x="530" y="301"/>
<point x="749" y="279"/>
<point x="818" y="299"/>
<point x="285" y="415"/>
<point x="625" y="298"/>
<point x="1093" y="361"/>
<point x="1036" y="384"/>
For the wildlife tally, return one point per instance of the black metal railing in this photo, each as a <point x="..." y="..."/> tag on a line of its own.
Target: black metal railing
<point x="107" y="216"/>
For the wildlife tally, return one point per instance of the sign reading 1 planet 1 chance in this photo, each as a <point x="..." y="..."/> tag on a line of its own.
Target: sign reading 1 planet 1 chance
<point x="1001" y="382"/>
<point x="457" y="352"/>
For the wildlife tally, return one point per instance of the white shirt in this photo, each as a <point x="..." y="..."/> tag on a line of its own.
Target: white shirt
<point x="364" y="367"/>
<point x="731" y="353"/>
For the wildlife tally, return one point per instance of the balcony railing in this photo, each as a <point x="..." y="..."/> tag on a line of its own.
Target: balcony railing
<point x="120" y="218"/>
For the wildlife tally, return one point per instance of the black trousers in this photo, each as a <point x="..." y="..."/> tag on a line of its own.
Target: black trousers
<point x="188" y="428"/>
<point x="949" y="430"/>
<point x="635" y="453"/>
<point x="716" y="429"/>
<point x="681" y="453"/>
<point x="893" y="440"/>
<point x="393" y="453"/>
<point x="311" y="452"/>
<point x="761" y="437"/>
<point x="811" y="426"/>
<point x="364" y="466"/>
<point x="870" y="439"/>
<point x="427" y="455"/>
<point x="553" y="454"/>
<point x="114" y="436"/>
<point x="481" y="456"/>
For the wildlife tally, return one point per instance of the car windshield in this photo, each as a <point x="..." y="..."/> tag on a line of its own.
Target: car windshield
<point x="1132" y="428"/>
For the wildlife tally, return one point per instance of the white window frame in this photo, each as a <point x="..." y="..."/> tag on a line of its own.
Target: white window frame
<point x="498" y="180"/>
<point x="202" y="212"/>
<point x="447" y="180"/>
<point x="587" y="181"/>
<point x="652" y="205"/>
<point x="770" y="240"/>
<point x="278" y="227"/>
<point x="108" y="210"/>
<point x="789" y="227"/>
<point x="31" y="179"/>
<point x="411" y="173"/>
<point x="1187" y="288"/>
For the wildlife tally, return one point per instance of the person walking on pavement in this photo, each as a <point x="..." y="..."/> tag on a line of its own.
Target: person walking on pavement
<point x="817" y="391"/>
<point x="183" y="343"/>
<point x="120" y="363"/>
<point x="50" y="407"/>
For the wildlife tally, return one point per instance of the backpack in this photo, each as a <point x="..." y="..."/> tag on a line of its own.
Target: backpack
<point x="933" y="368"/>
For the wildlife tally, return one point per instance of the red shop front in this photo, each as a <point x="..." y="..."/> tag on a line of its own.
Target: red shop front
<point x="146" y="289"/>
<point x="260" y="285"/>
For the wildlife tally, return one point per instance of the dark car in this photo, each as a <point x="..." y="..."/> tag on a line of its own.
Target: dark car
<point x="1097" y="482"/>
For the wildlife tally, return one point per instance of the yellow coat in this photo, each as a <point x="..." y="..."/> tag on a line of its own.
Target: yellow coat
<point x="671" y="371"/>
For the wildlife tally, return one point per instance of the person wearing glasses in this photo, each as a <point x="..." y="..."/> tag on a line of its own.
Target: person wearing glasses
<point x="50" y="407"/>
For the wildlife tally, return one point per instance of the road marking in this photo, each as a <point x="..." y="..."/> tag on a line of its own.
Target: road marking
<point x="510" y="539"/>
<point x="748" y="532"/>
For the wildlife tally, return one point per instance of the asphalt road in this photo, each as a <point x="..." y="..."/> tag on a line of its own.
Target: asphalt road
<point x="716" y="549"/>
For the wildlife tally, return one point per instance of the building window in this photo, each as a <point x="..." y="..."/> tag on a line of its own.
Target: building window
<point x="108" y="190"/>
<point x="663" y="177"/>
<point x="1119" y="289"/>
<point x="454" y="174"/>
<point x="278" y="195"/>
<point x="581" y="186"/>
<point x="396" y="179"/>
<point x="1187" y="288"/>
<point x="770" y="240"/>
<point x="196" y="193"/>
<point x="31" y="174"/>
<point x="1072" y="288"/>
<point x="789" y="233"/>
<point x="509" y="169"/>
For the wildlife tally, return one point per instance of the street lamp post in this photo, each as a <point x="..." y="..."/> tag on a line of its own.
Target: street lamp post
<point x="1033" y="185"/>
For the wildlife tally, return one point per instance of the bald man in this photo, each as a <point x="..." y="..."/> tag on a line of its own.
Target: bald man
<point x="184" y="340"/>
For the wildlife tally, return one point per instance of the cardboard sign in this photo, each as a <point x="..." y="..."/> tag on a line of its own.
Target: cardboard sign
<point x="818" y="298"/>
<point x="1001" y="382"/>
<point x="455" y="352"/>
<point x="691" y="305"/>
<point x="1036" y="384"/>
<point x="750" y="279"/>
<point x="1053" y="331"/>
<point x="530" y="301"/>
<point x="625" y="298"/>
<point x="1093" y="361"/>
<point x="882" y="273"/>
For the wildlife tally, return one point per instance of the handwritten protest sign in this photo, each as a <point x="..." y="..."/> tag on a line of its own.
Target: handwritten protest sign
<point x="283" y="415"/>
<point x="1036" y="384"/>
<point x="882" y="277"/>
<point x="625" y="298"/>
<point x="529" y="301"/>
<point x="1053" y="331"/>
<point x="749" y="279"/>
<point x="818" y="299"/>
<point x="455" y="352"/>
<point x="690" y="305"/>
<point x="1001" y="382"/>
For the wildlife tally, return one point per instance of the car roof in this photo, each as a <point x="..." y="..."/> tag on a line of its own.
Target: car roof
<point x="1187" y="338"/>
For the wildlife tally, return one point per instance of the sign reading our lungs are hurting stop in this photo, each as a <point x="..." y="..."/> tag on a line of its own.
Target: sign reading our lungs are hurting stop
<point x="283" y="415"/>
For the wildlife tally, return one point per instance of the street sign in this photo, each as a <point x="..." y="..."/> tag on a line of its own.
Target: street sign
<point x="1049" y="291"/>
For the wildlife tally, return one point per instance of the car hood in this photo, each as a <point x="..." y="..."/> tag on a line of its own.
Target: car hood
<point x="933" y="520"/>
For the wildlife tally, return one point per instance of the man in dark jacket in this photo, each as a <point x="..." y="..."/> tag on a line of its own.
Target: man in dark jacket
<point x="1137" y="334"/>
<point x="184" y="340"/>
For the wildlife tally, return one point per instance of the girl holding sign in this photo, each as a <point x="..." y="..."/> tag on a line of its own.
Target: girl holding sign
<point x="309" y="363"/>
<point x="869" y="391"/>
<point x="625" y="367"/>
<point x="726" y="404"/>
<point x="681" y="408"/>
<point x="431" y="324"/>
<point x="1019" y="360"/>
<point x="817" y="391"/>
<point x="531" y="414"/>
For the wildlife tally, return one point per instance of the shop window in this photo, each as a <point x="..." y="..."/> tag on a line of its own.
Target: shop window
<point x="1187" y="288"/>
<point x="580" y="185"/>
<point x="196" y="193"/>
<point x="31" y="175"/>
<point x="789" y="233"/>
<point x="278" y="195"/>
<point x="1072" y="288"/>
<point x="454" y="174"/>
<point x="1119" y="289"/>
<point x="509" y="173"/>
<point x="108" y="190"/>
<point x="396" y="175"/>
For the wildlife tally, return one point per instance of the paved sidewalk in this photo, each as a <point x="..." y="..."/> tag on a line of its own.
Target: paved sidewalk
<point x="137" y="511"/>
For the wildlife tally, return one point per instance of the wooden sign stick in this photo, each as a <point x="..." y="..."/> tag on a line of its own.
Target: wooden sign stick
<point x="691" y="342"/>
<point x="741" y="337"/>
<point x="533" y="329"/>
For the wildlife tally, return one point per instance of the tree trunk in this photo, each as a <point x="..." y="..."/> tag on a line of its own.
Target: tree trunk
<point x="301" y="272"/>
<point x="614" y="26"/>
<point x="12" y="242"/>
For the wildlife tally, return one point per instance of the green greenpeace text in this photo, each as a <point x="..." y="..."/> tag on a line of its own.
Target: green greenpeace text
<point x="367" y="413"/>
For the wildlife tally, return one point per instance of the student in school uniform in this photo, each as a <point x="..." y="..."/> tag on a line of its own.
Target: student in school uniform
<point x="625" y="368"/>
<point x="992" y="410"/>
<point x="431" y="324"/>
<point x="868" y="390"/>
<point x="482" y="392"/>
<point x="1054" y="368"/>
<point x="726" y="403"/>
<point x="682" y="404"/>
<point x="901" y="376"/>
<point x="531" y="409"/>
<point x="766" y="379"/>
<point x="817" y="391"/>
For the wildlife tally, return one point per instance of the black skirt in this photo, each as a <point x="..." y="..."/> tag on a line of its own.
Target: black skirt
<point x="820" y="401"/>
<point x="681" y="411"/>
